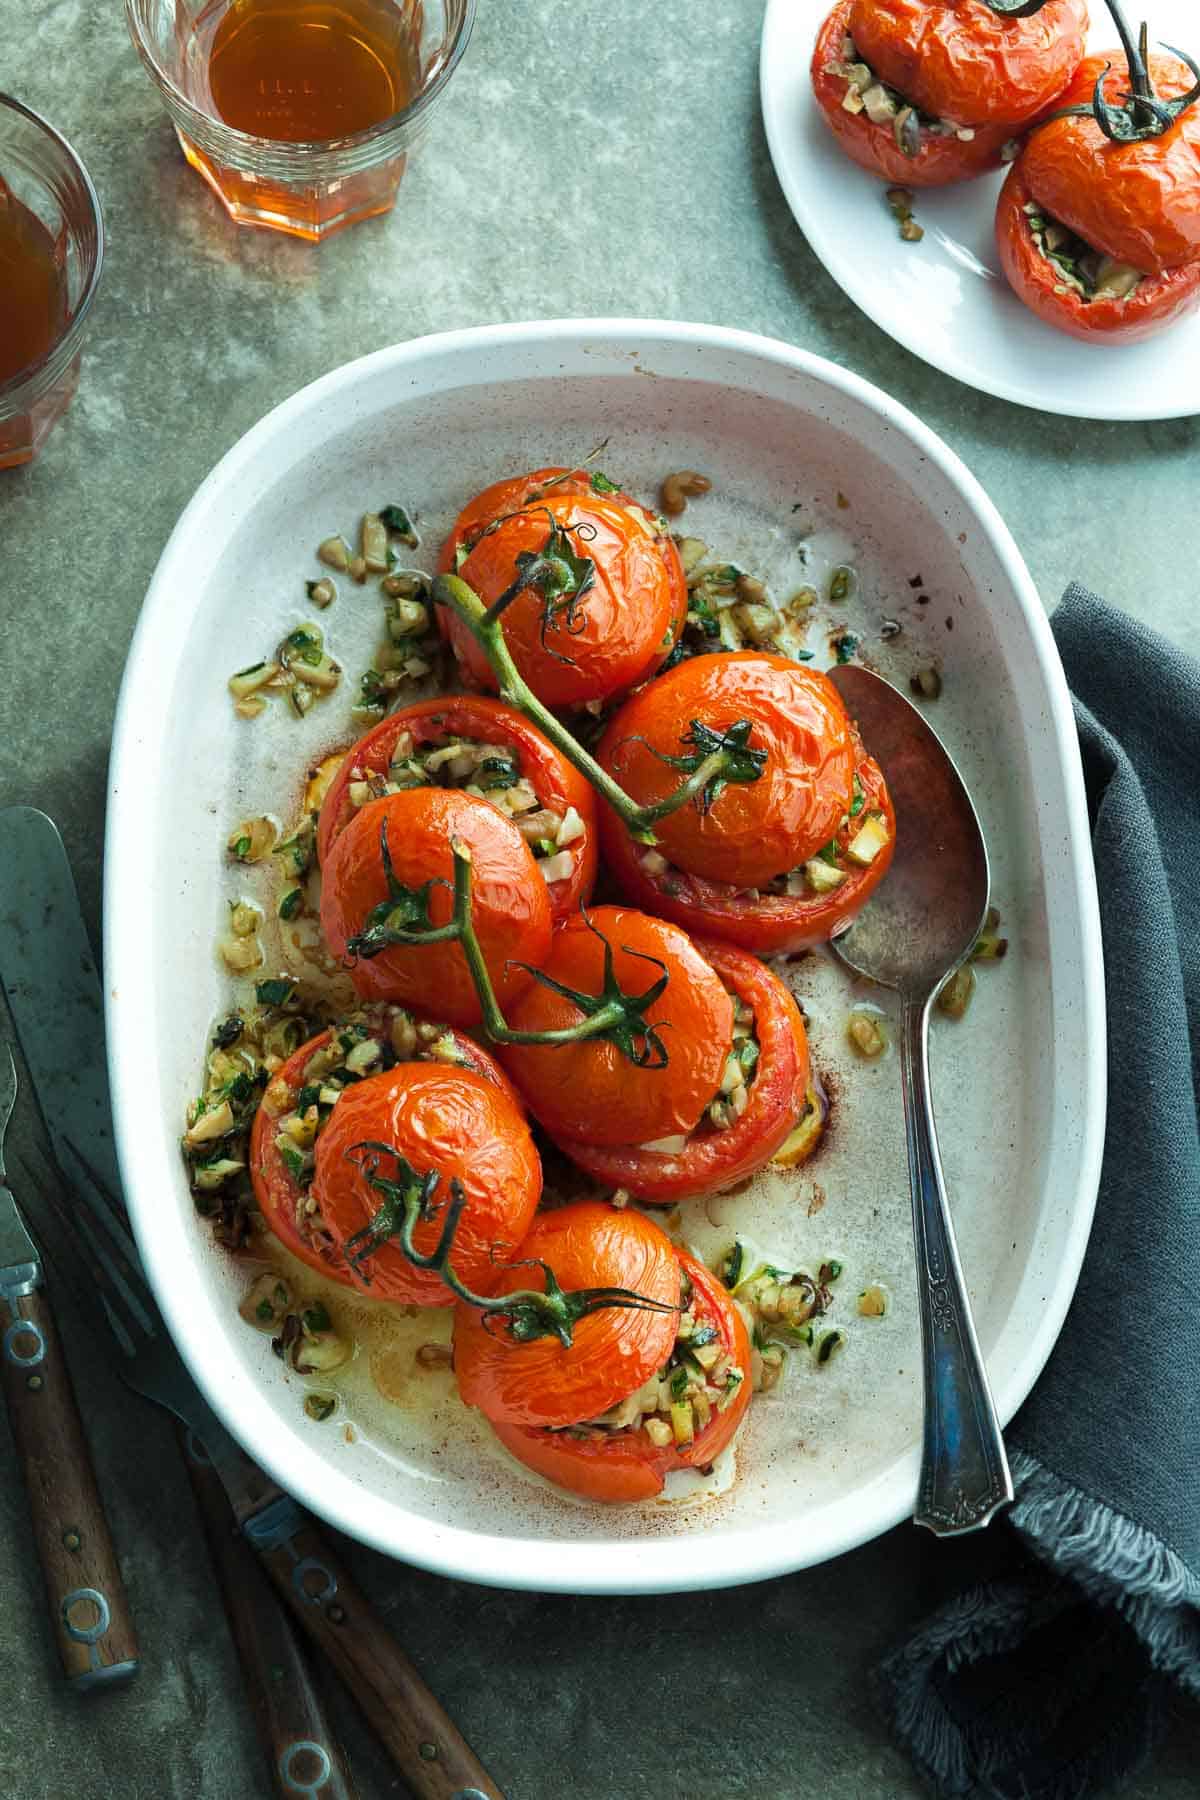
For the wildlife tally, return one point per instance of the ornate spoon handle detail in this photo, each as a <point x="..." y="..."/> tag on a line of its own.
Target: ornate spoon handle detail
<point x="965" y="1477"/>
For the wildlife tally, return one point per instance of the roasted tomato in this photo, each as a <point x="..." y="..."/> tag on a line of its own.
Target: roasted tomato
<point x="441" y="1120"/>
<point x="516" y="492"/>
<point x="755" y="829"/>
<point x="281" y="1142"/>
<point x="504" y="759"/>
<point x="586" y="1245"/>
<point x="608" y="1433"/>
<point x="764" y="1093"/>
<point x="880" y="131"/>
<point x="958" y="61"/>
<point x="590" y="640"/>
<point x="807" y="906"/>
<point x="1121" y="306"/>
<point x="590" y="1091"/>
<point x="1099" y="238"/>
<point x="511" y="904"/>
<point x="1138" y="203"/>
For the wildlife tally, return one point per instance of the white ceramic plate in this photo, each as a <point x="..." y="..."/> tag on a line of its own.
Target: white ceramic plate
<point x="945" y="298"/>
<point x="789" y="442"/>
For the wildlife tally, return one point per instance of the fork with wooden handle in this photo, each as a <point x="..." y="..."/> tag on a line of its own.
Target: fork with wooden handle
<point x="102" y="1262"/>
<point x="282" y="1686"/>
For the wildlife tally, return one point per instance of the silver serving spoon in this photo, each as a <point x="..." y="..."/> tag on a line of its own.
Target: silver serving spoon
<point x="918" y="928"/>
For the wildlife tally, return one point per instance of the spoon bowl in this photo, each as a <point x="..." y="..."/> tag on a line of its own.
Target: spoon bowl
<point x="926" y="916"/>
<point x="918" y="928"/>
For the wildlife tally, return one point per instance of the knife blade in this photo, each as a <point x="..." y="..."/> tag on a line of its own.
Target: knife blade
<point x="89" y="1610"/>
<point x="20" y="1267"/>
<point x="53" y="991"/>
<point x="68" y="1067"/>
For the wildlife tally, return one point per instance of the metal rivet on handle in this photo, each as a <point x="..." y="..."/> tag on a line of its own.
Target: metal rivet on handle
<point x="314" y="1771"/>
<point x="311" y="1565"/>
<point x="78" y="1598"/>
<point x="24" y="1328"/>
<point x="428" y="1751"/>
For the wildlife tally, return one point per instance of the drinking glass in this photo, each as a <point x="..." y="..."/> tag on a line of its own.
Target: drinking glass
<point x="313" y="188"/>
<point x="43" y="173"/>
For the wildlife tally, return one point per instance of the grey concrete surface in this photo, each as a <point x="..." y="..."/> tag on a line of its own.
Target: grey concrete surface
<point x="602" y="157"/>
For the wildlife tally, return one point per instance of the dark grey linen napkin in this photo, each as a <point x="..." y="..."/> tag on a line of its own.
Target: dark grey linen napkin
<point x="1045" y="1679"/>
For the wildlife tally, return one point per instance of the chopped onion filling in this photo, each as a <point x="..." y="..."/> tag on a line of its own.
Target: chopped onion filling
<point x="490" y="772"/>
<point x="698" y="1380"/>
<point x="249" y="1046"/>
<point x="883" y="105"/>
<point x="780" y="1307"/>
<point x="1080" y="267"/>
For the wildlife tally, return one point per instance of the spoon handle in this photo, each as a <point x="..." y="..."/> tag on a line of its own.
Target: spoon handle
<point x="964" y="1471"/>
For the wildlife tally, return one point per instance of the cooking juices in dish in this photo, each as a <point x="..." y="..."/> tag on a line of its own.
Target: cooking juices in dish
<point x="389" y="1146"/>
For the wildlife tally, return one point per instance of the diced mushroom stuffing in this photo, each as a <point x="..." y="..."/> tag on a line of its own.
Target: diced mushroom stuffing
<point x="733" y="1096"/>
<point x="730" y="609"/>
<point x="780" y="1307"/>
<point x="491" y="772"/>
<point x="247" y="1050"/>
<point x="883" y="105"/>
<point x="860" y="839"/>
<point x="1080" y="268"/>
<point x="699" y="1379"/>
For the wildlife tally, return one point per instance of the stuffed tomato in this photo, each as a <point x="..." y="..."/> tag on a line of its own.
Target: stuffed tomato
<point x="388" y="880"/>
<point x="706" y="1091"/>
<point x="764" y="1093"/>
<point x="1101" y="238"/>
<point x="430" y="1092"/>
<point x="780" y="852"/>
<point x="492" y="752"/>
<point x="926" y="92"/>
<point x="600" y="596"/>
<point x="637" y="1394"/>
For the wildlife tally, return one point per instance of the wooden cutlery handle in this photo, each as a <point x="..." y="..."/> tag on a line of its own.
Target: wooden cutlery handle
<point x="435" y="1760"/>
<point x="302" y="1751"/>
<point x="89" y="1610"/>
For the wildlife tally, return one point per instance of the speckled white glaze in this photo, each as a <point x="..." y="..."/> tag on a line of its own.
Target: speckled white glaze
<point x="788" y="440"/>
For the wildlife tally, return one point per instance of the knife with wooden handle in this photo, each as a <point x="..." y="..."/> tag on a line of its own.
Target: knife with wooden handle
<point x="89" y="1610"/>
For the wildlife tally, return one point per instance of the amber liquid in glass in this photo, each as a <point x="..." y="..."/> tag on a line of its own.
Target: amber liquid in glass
<point x="33" y="291"/>
<point x="298" y="71"/>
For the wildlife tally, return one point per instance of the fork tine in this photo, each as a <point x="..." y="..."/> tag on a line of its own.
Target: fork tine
<point x="106" y="1210"/>
<point x="88" y="1284"/>
<point x="108" y="1207"/>
<point x="126" y="1301"/>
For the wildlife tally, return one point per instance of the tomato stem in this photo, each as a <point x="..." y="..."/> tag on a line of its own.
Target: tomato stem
<point x="723" y="764"/>
<point x="403" y="919"/>
<point x="526" y="1314"/>
<point x="1141" y="115"/>
<point x="1015" y="9"/>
